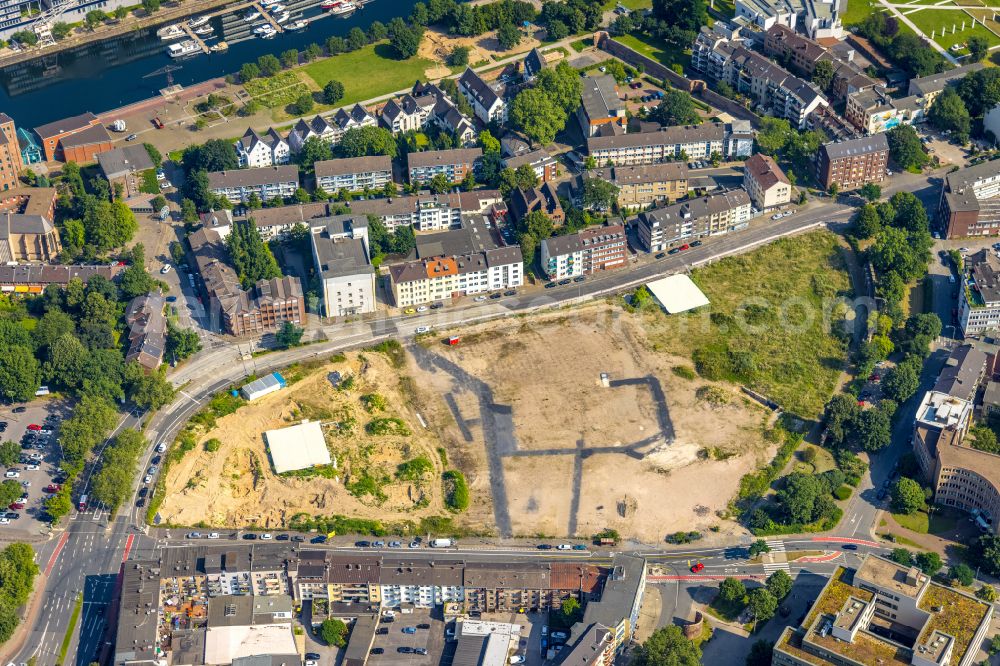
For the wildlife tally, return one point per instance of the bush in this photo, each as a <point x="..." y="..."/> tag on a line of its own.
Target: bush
<point x="387" y="426"/>
<point x="373" y="402"/>
<point x="843" y="493"/>
<point x="683" y="371"/>
<point x="213" y="445"/>
<point x="414" y="470"/>
<point x="456" y="490"/>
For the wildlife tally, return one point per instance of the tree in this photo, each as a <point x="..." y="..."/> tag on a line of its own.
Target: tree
<point x="762" y="603"/>
<point x="537" y="115"/>
<point x="571" y="611"/>
<point x="289" y="58"/>
<point x="978" y="48"/>
<point x="822" y="75"/>
<point x="333" y="91"/>
<point x="289" y="335"/>
<point x="987" y="593"/>
<point x="980" y="90"/>
<point x="598" y="194"/>
<point x="732" y="590"/>
<point x="907" y="496"/>
<point x="377" y="32"/>
<point x="10" y="489"/>
<point x="948" y="113"/>
<point x="20" y="373"/>
<point x="761" y="653"/>
<point x="985" y="553"/>
<point x="269" y="64"/>
<point x="901" y="556"/>
<point x="905" y="147"/>
<point x="182" y="342"/>
<point x="963" y="573"/>
<point x="404" y="39"/>
<point x="508" y="36"/>
<point x="61" y="30"/>
<point x="667" y="646"/>
<point x="250" y="255"/>
<point x="758" y="547"/>
<point x="488" y="143"/>
<point x="94" y="18"/>
<point x="361" y="141"/>
<point x="930" y="563"/>
<point x="10" y="453"/>
<point x="439" y="184"/>
<point x="313" y="150"/>
<point x="249" y="71"/>
<point x="685" y="14"/>
<point x="779" y="584"/>
<point x="677" y="108"/>
<point x="870" y="192"/>
<point x="562" y="84"/>
<point x="356" y="39"/>
<point x="151" y="6"/>
<point x="149" y="390"/>
<point x="459" y="57"/>
<point x="303" y="104"/>
<point x="333" y="632"/>
<point x="59" y="504"/>
<point x="902" y="381"/>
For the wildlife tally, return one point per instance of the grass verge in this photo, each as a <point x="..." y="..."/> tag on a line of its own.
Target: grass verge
<point x="73" y="619"/>
<point x="368" y="72"/>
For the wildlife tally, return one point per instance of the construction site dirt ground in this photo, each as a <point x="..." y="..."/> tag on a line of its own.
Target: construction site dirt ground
<point x="562" y="452"/>
<point x="483" y="49"/>
<point x="236" y="485"/>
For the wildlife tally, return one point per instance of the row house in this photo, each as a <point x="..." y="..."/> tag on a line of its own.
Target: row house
<point x="444" y="114"/>
<point x="453" y="164"/>
<point x="409" y="113"/>
<point x="680" y="142"/>
<point x="853" y="163"/>
<point x="354" y="174"/>
<point x="801" y="55"/>
<point x="266" y="182"/>
<point x="254" y="150"/>
<point x="872" y="111"/>
<point x="693" y="218"/>
<point x="970" y="201"/>
<point x="487" y="100"/>
<point x="644" y="185"/>
<point x="929" y="87"/>
<point x="422" y="583"/>
<point x="585" y="252"/>
<point x="330" y="131"/>
<point x="441" y="278"/>
<point x="147" y="330"/>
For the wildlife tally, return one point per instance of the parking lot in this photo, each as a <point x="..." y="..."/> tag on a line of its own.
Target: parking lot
<point x="392" y="637"/>
<point x="33" y="427"/>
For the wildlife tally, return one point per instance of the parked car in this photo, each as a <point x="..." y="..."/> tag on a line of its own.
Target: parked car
<point x="377" y="651"/>
<point x="423" y="626"/>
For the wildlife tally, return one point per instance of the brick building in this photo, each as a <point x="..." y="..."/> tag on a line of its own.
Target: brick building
<point x="852" y="163"/>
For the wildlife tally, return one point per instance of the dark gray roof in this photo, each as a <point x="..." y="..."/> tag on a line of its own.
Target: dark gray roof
<point x="937" y="82"/>
<point x="86" y="137"/>
<point x="44" y="274"/>
<point x="700" y="207"/>
<point x="253" y="177"/>
<point x="339" y="257"/>
<point x="346" y="165"/>
<point x="668" y="136"/>
<point x="961" y="373"/>
<point x="360" y="641"/>
<point x="430" y="158"/>
<point x="71" y="124"/>
<point x="261" y="660"/>
<point x="479" y="89"/>
<point x="647" y="173"/>
<point x="470" y="650"/>
<point x="584" y="239"/>
<point x="620" y="590"/>
<point x="599" y="97"/>
<point x="853" y="147"/>
<point x="123" y="161"/>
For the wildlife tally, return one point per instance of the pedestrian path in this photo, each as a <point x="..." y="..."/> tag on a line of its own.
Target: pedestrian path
<point x="778" y="559"/>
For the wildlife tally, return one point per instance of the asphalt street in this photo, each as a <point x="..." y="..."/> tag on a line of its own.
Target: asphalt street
<point x="85" y="554"/>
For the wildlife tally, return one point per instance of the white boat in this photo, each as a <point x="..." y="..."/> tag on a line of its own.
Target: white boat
<point x="170" y="32"/>
<point x="185" y="48"/>
<point x="265" y="31"/>
<point x="282" y="17"/>
<point x="204" y="30"/>
<point x="276" y="8"/>
<point x="197" y="22"/>
<point x="221" y="46"/>
<point x="301" y="24"/>
<point x="251" y="16"/>
<point x="341" y="7"/>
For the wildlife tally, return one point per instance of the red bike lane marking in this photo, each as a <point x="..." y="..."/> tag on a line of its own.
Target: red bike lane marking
<point x="55" y="554"/>
<point x="863" y="542"/>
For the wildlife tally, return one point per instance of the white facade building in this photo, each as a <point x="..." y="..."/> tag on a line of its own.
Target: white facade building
<point x="343" y="263"/>
<point x="254" y="150"/>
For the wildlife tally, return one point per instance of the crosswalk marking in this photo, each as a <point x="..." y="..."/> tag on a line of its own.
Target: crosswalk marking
<point x="777" y="547"/>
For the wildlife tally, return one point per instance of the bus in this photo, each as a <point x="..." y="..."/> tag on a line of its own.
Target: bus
<point x="82" y="504"/>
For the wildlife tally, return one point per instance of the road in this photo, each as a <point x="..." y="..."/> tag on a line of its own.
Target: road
<point x="85" y="556"/>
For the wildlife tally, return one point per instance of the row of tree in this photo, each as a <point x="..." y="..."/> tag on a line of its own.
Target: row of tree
<point x="17" y="578"/>
<point x="911" y="53"/>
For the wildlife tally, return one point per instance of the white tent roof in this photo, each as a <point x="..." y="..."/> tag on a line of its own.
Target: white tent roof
<point x="223" y="644"/>
<point x="297" y="447"/>
<point x="677" y="293"/>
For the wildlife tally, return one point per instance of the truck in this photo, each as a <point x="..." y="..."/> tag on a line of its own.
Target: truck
<point x="441" y="543"/>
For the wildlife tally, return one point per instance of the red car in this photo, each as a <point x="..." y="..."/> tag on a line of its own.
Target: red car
<point x="53" y="488"/>
<point x="34" y="426"/>
<point x="15" y="506"/>
<point x="876" y="378"/>
<point x="684" y="247"/>
<point x="698" y="566"/>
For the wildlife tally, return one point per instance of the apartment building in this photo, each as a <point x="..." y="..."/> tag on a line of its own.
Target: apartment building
<point x="929" y="87"/>
<point x="818" y="19"/>
<point x="695" y="142"/>
<point x="884" y="608"/>
<point x="705" y="216"/>
<point x="125" y="166"/>
<point x="354" y="174"/>
<point x="600" y="106"/>
<point x="543" y="198"/>
<point x="263" y="308"/>
<point x="765" y="182"/>
<point x="27" y="233"/>
<point x="343" y="262"/>
<point x="423" y="212"/>
<point x="852" y="163"/>
<point x="487" y="100"/>
<point x="585" y="252"/>
<point x="11" y="161"/>
<point x="267" y="183"/>
<point x="544" y="165"/>
<point x="76" y="139"/>
<point x="645" y="185"/>
<point x="33" y="278"/>
<point x="453" y="164"/>
<point x="472" y="259"/>
<point x="408" y="113"/>
<point x="330" y="131"/>
<point x="802" y="54"/>
<point x="979" y="301"/>
<point x="970" y="201"/>
<point x="873" y="111"/>
<point x="147" y="330"/>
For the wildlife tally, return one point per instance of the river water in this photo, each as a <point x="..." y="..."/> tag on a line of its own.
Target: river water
<point x="106" y="75"/>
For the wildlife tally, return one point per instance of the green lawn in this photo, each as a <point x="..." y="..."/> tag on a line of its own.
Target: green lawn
<point x="929" y="20"/>
<point x="276" y="91"/>
<point x="857" y="11"/>
<point x="940" y="522"/>
<point x="629" y="4"/>
<point x="657" y="49"/>
<point x="368" y="72"/>
<point x="725" y="610"/>
<point x="915" y="522"/>
<point x="765" y="325"/>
